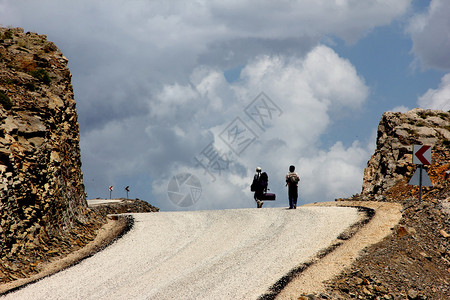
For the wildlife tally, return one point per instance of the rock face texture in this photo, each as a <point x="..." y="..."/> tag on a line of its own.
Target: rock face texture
<point x="392" y="160"/>
<point x="43" y="205"/>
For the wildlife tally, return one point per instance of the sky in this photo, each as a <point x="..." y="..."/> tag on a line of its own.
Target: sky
<point x="182" y="100"/>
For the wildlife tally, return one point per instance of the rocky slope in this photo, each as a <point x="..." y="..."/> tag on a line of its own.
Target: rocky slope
<point x="397" y="132"/>
<point x="43" y="206"/>
<point x="124" y="206"/>
<point x="414" y="261"/>
<point x="44" y="212"/>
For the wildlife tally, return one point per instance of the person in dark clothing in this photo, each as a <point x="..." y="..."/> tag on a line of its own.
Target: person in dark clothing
<point x="292" y="180"/>
<point x="259" y="187"/>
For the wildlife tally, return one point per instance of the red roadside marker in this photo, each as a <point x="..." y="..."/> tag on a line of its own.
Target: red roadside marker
<point x="422" y="154"/>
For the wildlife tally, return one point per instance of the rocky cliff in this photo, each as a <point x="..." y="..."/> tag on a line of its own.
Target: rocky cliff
<point x="43" y="206"/>
<point x="414" y="261"/>
<point x="392" y="161"/>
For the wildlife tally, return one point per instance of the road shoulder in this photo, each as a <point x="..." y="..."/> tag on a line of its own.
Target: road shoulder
<point x="387" y="215"/>
<point x="114" y="228"/>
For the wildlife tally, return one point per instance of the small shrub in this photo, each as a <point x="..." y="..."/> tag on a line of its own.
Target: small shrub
<point x="420" y="123"/>
<point x="411" y="131"/>
<point x="5" y="101"/>
<point x="7" y="81"/>
<point x="41" y="75"/>
<point x="22" y="44"/>
<point x="30" y="86"/>
<point x="8" y="35"/>
<point x="446" y="143"/>
<point x="443" y="115"/>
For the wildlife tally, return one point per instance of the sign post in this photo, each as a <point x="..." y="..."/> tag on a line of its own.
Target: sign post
<point x="127" y="188"/>
<point x="111" y="188"/>
<point x="420" y="182"/>
<point x="421" y="156"/>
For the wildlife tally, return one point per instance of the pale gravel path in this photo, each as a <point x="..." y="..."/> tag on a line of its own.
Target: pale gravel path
<point x="387" y="215"/>
<point x="226" y="254"/>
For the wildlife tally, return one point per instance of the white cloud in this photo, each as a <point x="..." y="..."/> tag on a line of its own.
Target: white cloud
<point x="151" y="93"/>
<point x="266" y="19"/>
<point x="339" y="82"/>
<point x="293" y="133"/>
<point x="430" y="35"/>
<point x="334" y="173"/>
<point x="183" y="119"/>
<point x="121" y="52"/>
<point x="182" y="32"/>
<point x="400" y="108"/>
<point x="437" y="98"/>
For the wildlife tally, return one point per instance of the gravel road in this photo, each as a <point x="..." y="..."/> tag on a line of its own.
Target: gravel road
<point x="221" y="254"/>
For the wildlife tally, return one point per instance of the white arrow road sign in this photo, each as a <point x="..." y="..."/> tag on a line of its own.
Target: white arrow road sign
<point x="422" y="154"/>
<point x="426" y="181"/>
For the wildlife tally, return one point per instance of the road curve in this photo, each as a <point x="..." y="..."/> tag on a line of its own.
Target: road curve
<point x="221" y="254"/>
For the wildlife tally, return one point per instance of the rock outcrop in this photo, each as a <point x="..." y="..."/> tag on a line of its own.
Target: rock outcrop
<point x="414" y="261"/>
<point x="392" y="160"/>
<point x="124" y="206"/>
<point x="43" y="205"/>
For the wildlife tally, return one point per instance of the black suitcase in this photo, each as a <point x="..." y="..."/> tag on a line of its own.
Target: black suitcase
<point x="268" y="197"/>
